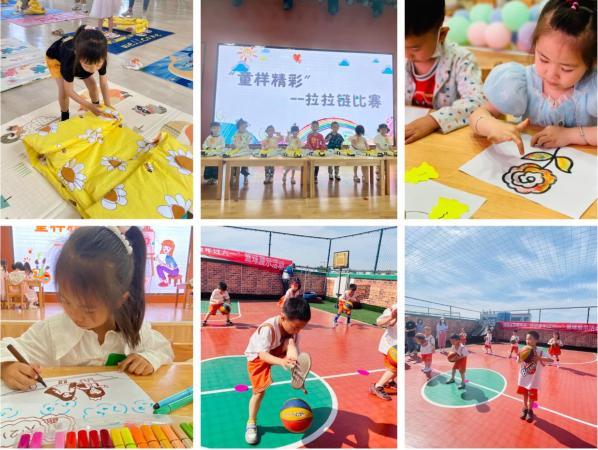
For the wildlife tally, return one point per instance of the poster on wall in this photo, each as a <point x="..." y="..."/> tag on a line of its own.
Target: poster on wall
<point x="283" y="87"/>
<point x="167" y="253"/>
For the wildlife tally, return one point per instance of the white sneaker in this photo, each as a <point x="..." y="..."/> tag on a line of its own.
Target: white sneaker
<point x="251" y="436"/>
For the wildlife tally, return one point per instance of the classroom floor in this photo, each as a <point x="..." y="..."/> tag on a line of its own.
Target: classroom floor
<point x="333" y="199"/>
<point x="175" y="16"/>
<point x="486" y="414"/>
<point x="345" y="414"/>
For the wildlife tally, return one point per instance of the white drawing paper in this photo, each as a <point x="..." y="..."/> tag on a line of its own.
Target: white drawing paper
<point x="420" y="198"/>
<point x="69" y="402"/>
<point x="562" y="179"/>
<point x="415" y="112"/>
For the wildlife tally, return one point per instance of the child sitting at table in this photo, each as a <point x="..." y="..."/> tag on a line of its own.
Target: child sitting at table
<point x="360" y="145"/>
<point x="270" y="143"/>
<point x="241" y="141"/>
<point x="100" y="276"/>
<point x="439" y="75"/>
<point x="293" y="143"/>
<point x="557" y="92"/>
<point x="215" y="143"/>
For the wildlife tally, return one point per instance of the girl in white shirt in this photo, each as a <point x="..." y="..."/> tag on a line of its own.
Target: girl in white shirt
<point x="100" y="276"/>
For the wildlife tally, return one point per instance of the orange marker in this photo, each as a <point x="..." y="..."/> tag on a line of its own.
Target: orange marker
<point x="138" y="436"/>
<point x="188" y="443"/>
<point x="164" y="442"/>
<point x="172" y="437"/>
<point x="149" y="436"/>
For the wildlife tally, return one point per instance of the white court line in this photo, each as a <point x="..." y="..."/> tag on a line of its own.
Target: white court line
<point x="593" y="425"/>
<point x="327" y="377"/>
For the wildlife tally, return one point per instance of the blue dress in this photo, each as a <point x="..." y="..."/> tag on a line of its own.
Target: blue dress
<point x="517" y="90"/>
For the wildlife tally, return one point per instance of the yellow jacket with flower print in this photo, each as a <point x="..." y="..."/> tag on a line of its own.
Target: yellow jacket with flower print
<point x="106" y="170"/>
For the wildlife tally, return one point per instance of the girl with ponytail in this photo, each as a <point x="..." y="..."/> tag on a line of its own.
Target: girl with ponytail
<point x="557" y="92"/>
<point x="100" y="277"/>
<point x="80" y="56"/>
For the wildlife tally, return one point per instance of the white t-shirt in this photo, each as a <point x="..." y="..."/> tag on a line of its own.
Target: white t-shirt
<point x="214" y="143"/>
<point x="514" y="340"/>
<point x="290" y="294"/>
<point x="530" y="373"/>
<point x="488" y="339"/>
<point x="389" y="338"/>
<point x="262" y="339"/>
<point x="382" y="142"/>
<point x="429" y="345"/>
<point x="57" y="341"/>
<point x="441" y="328"/>
<point x="460" y="350"/>
<point x="349" y="296"/>
<point x="218" y="297"/>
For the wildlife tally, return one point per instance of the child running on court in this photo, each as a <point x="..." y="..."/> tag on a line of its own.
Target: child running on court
<point x="388" y="321"/>
<point x="292" y="291"/>
<point x="554" y="346"/>
<point x="427" y="349"/>
<point x="345" y="304"/>
<point x="514" y="344"/>
<point x="530" y="373"/>
<point x="460" y="363"/>
<point x="275" y="342"/>
<point x="219" y="301"/>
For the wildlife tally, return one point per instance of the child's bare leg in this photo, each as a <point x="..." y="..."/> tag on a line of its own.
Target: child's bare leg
<point x="526" y="400"/>
<point x="100" y="24"/>
<point x="206" y="318"/>
<point x="110" y="24"/>
<point x="385" y="378"/>
<point x="63" y="99"/>
<point x="254" y="406"/>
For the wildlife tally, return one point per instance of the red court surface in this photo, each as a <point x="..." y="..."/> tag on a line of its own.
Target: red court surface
<point x="565" y="417"/>
<point x="362" y="420"/>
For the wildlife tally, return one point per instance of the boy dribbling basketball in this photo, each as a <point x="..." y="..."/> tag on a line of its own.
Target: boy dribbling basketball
<point x="345" y="304"/>
<point x="460" y="363"/>
<point x="275" y="342"/>
<point x="514" y="344"/>
<point x="219" y="301"/>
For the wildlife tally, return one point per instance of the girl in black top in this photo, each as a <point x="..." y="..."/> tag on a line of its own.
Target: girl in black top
<point x="80" y="56"/>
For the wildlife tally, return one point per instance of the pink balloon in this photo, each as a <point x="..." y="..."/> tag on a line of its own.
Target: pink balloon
<point x="498" y="36"/>
<point x="525" y="35"/>
<point x="476" y="32"/>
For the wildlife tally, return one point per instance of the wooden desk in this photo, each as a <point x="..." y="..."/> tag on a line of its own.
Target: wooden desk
<point x="389" y="161"/>
<point x="448" y="152"/>
<point x="167" y="380"/>
<point x="214" y="161"/>
<point x="337" y="160"/>
<point x="254" y="161"/>
<point x="488" y="59"/>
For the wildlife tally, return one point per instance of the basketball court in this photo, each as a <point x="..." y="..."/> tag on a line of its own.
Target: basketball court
<point x="345" y="363"/>
<point x="486" y="413"/>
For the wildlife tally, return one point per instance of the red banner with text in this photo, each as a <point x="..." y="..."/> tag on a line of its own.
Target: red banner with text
<point x="249" y="259"/>
<point x="552" y="326"/>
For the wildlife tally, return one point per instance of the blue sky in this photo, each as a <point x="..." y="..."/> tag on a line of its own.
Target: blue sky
<point x="505" y="268"/>
<point x="306" y="251"/>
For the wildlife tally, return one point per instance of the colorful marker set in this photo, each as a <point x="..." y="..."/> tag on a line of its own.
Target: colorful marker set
<point x="130" y="436"/>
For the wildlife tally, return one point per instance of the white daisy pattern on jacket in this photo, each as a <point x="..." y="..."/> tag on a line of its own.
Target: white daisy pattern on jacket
<point x="176" y="207"/>
<point x="71" y="175"/>
<point x="115" y="197"/>
<point x="144" y="146"/>
<point x="182" y="160"/>
<point x="114" y="163"/>
<point x="93" y="135"/>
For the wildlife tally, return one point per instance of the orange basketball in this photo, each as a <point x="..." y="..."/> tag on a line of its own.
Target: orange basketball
<point x="452" y="356"/>
<point x="420" y="338"/>
<point x="526" y="353"/>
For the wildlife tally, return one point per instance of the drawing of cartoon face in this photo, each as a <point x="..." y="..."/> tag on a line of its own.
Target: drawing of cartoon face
<point x="63" y="390"/>
<point x="143" y="407"/>
<point x="57" y="407"/>
<point x="8" y="413"/>
<point x="104" y="409"/>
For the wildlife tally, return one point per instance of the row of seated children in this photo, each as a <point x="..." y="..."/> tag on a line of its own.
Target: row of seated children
<point x="15" y="279"/>
<point x="557" y="93"/>
<point x="315" y="141"/>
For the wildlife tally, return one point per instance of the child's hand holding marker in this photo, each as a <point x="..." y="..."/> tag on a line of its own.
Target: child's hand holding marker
<point x="136" y="365"/>
<point x="20" y="376"/>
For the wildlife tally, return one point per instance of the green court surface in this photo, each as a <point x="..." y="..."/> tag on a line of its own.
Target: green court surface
<point x="234" y="307"/>
<point x="483" y="385"/>
<point x="363" y="315"/>
<point x="224" y="410"/>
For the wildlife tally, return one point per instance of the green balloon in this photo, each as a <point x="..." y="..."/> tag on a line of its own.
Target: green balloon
<point x="515" y="14"/>
<point x="480" y="13"/>
<point x="458" y="30"/>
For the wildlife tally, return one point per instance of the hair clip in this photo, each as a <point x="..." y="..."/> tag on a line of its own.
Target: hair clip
<point x="122" y="238"/>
